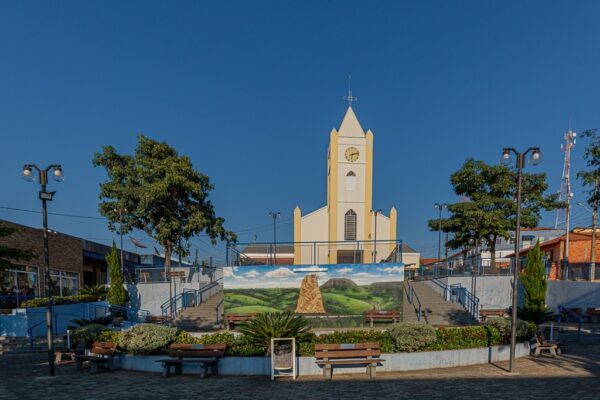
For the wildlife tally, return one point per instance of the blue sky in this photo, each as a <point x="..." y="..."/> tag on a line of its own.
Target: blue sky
<point x="251" y="90"/>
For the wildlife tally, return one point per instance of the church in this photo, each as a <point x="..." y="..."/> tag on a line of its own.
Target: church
<point x="348" y="229"/>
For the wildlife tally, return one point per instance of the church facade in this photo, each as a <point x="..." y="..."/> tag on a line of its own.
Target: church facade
<point x="347" y="229"/>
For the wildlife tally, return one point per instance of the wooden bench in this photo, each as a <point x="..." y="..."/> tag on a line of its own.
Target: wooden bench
<point x="236" y="319"/>
<point x="101" y="354"/>
<point x="381" y="316"/>
<point x="176" y="274"/>
<point x="155" y="319"/>
<point x="206" y="355"/>
<point x="331" y="355"/>
<point x="484" y="314"/>
<point x="593" y="314"/>
<point x="541" y="344"/>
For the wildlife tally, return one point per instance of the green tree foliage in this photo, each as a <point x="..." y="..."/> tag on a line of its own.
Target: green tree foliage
<point x="116" y="294"/>
<point x="488" y="211"/>
<point x="163" y="195"/>
<point x="534" y="280"/>
<point x="591" y="176"/>
<point x="9" y="253"/>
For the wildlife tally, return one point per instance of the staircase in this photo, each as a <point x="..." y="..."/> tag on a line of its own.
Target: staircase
<point x="204" y="317"/>
<point x="435" y="309"/>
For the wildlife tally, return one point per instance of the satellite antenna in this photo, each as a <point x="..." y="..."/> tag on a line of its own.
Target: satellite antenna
<point x="137" y="242"/>
<point x="157" y="251"/>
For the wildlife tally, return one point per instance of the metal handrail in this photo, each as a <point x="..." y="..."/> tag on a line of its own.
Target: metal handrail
<point x="171" y="306"/>
<point x="571" y="313"/>
<point x="412" y="295"/>
<point x="462" y="296"/>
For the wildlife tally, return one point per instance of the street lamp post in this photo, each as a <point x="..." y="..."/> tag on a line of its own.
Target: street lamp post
<point x="45" y="196"/>
<point x="535" y="159"/>
<point x="594" y="213"/>
<point x="275" y="215"/>
<point x="375" y="213"/>
<point x="439" y="207"/>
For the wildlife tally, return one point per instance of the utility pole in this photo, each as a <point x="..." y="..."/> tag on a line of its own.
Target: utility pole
<point x="275" y="215"/>
<point x="439" y="207"/>
<point x="594" y="223"/>
<point x="565" y="195"/>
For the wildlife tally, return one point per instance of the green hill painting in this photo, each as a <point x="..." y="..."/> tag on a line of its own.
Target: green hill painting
<point x="341" y="296"/>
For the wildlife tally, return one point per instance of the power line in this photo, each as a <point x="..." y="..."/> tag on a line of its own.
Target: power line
<point x="52" y="213"/>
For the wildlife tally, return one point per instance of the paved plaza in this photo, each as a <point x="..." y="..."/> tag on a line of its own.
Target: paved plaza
<point x="575" y="375"/>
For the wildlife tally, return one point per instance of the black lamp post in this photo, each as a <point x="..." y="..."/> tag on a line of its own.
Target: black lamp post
<point x="29" y="171"/>
<point x="439" y="207"/>
<point x="121" y="211"/>
<point x="534" y="160"/>
<point x="275" y="215"/>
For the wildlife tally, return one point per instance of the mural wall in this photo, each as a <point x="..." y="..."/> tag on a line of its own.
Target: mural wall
<point x="339" y="289"/>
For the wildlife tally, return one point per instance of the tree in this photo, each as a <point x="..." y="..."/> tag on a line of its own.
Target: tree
<point x="163" y="195"/>
<point x="117" y="294"/>
<point x="533" y="280"/>
<point x="488" y="211"/>
<point x="591" y="178"/>
<point x="9" y="253"/>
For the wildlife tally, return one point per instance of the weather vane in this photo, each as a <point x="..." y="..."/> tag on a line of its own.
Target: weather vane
<point x="350" y="98"/>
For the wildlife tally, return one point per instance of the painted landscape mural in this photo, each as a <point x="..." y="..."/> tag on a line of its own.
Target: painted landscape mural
<point x="344" y="290"/>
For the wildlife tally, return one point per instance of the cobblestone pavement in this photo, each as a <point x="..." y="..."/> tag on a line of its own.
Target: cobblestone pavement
<point x="575" y="375"/>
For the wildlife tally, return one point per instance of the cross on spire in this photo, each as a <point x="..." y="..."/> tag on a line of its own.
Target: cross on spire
<point x="350" y="98"/>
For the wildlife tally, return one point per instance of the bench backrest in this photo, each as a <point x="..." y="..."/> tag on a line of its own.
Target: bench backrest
<point x="104" y="348"/>
<point x="382" y="313"/>
<point x="240" y="317"/>
<point x="492" y="312"/>
<point x="197" y="350"/>
<point x="347" y="351"/>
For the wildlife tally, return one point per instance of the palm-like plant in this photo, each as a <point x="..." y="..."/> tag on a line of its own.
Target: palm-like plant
<point x="99" y="291"/>
<point x="266" y="326"/>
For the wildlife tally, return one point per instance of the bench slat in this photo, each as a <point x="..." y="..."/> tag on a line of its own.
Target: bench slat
<point x="351" y="362"/>
<point x="339" y="346"/>
<point x="347" y="354"/>
<point x="197" y="353"/>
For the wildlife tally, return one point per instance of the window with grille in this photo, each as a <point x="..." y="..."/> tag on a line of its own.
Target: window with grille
<point x="350" y="225"/>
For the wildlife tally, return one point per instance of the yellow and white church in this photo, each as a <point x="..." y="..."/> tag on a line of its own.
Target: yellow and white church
<point x="348" y="229"/>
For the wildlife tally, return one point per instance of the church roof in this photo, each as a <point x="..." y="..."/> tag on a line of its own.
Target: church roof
<point x="350" y="125"/>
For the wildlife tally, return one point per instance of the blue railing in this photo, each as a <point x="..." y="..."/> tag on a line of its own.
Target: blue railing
<point x="564" y="310"/>
<point x="187" y="298"/>
<point x="412" y="296"/>
<point x="457" y="293"/>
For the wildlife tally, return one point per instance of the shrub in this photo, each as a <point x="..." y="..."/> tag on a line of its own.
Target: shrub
<point x="269" y="325"/>
<point x="467" y="337"/>
<point x="108" y="336"/>
<point x="116" y="294"/>
<point x="98" y="291"/>
<point x="147" y="338"/>
<point x="43" y="301"/>
<point x="412" y="337"/>
<point x="503" y="325"/>
<point x="536" y="315"/>
<point x="88" y="334"/>
<point x="307" y="344"/>
<point x="236" y="346"/>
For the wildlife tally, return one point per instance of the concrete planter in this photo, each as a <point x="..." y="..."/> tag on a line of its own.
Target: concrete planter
<point x="306" y="365"/>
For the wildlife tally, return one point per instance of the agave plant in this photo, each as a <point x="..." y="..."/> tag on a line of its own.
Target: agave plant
<point x="98" y="291"/>
<point x="536" y="315"/>
<point x="266" y="326"/>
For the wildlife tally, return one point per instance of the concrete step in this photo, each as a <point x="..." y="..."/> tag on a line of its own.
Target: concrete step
<point x="202" y="317"/>
<point x="435" y="309"/>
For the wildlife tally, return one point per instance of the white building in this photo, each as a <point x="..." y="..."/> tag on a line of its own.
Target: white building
<point x="348" y="218"/>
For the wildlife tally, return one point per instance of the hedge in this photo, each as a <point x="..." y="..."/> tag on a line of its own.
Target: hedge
<point x="43" y="301"/>
<point x="402" y="337"/>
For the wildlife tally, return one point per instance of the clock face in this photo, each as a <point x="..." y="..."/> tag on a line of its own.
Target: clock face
<point x="351" y="154"/>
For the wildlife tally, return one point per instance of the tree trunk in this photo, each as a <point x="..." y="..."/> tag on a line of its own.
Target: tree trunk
<point x="493" y="252"/>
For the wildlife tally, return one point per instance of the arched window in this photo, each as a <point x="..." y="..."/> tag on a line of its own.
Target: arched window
<point x="350" y="225"/>
<point x="350" y="181"/>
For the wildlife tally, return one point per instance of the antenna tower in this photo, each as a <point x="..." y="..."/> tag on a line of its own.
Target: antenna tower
<point x="563" y="214"/>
